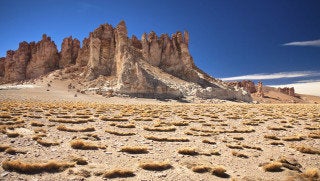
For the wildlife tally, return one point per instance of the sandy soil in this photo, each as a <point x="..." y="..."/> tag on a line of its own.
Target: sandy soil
<point x="29" y="116"/>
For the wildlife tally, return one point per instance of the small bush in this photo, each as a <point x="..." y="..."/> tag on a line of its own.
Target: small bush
<point x="155" y="166"/>
<point x="118" y="173"/>
<point x="32" y="168"/>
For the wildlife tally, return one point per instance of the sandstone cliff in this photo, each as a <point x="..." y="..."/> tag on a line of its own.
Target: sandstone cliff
<point x="69" y="52"/>
<point x="31" y="60"/>
<point x="155" y="66"/>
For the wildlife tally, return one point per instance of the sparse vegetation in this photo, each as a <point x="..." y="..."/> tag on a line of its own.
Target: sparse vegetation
<point x="238" y="154"/>
<point x="273" y="167"/>
<point x="82" y="145"/>
<point x="64" y="128"/>
<point x="134" y="150"/>
<point x="118" y="133"/>
<point x="188" y="151"/>
<point x="154" y="138"/>
<point x="155" y="166"/>
<point x="32" y="168"/>
<point x="307" y="149"/>
<point x="209" y="142"/>
<point x="140" y="129"/>
<point x="118" y="173"/>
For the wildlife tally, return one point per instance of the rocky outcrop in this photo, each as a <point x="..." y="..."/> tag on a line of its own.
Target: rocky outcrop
<point x="31" y="60"/>
<point x="248" y="85"/>
<point x="155" y="66"/>
<point x="16" y="63"/>
<point x="44" y="58"/>
<point x="260" y="90"/>
<point x="287" y="90"/>
<point x="69" y="52"/>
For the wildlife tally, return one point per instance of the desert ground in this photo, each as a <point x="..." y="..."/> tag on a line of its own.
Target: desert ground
<point x="51" y="133"/>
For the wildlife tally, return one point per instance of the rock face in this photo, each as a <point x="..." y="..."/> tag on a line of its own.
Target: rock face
<point x="248" y="85"/>
<point x="30" y="60"/>
<point x="287" y="90"/>
<point x="69" y="52"/>
<point x="155" y="66"/>
<point x="2" y="65"/>
<point x="44" y="58"/>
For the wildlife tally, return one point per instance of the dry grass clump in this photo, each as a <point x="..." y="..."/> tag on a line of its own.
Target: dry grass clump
<point x="4" y="147"/>
<point x="64" y="128"/>
<point x="118" y="173"/>
<point x="120" y="133"/>
<point x="32" y="168"/>
<point x="103" y="118"/>
<point x="276" y="128"/>
<point x="188" y="151"/>
<point x="276" y="143"/>
<point x="134" y="150"/>
<point x="272" y="137"/>
<point x="219" y="171"/>
<point x="307" y="149"/>
<point x="234" y="146"/>
<point x="154" y="138"/>
<point x="82" y="145"/>
<point x="238" y="138"/>
<point x="78" y="121"/>
<point x="252" y="147"/>
<point x="201" y="168"/>
<point x="238" y="154"/>
<point x="311" y="174"/>
<point x="130" y="125"/>
<point x="155" y="166"/>
<point x="209" y="142"/>
<point x="273" y="167"/>
<point x="315" y="135"/>
<point x="293" y="138"/>
<point x="46" y="143"/>
<point x="180" y="123"/>
<point x="160" y="129"/>
<point x="13" y="151"/>
<point x="36" y="123"/>
<point x="211" y="152"/>
<point x="12" y="134"/>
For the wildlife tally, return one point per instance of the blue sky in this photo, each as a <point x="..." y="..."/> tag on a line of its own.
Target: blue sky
<point x="228" y="38"/>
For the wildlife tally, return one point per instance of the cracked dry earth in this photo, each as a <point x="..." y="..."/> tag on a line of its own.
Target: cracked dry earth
<point x="95" y="141"/>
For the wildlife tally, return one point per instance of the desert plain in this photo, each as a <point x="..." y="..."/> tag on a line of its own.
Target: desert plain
<point x="58" y="134"/>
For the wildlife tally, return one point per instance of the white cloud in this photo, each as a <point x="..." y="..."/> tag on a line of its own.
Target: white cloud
<point x="315" y="43"/>
<point x="310" y="88"/>
<point x="279" y="75"/>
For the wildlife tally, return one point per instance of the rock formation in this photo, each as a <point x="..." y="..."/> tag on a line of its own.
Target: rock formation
<point x="248" y="85"/>
<point x="2" y="66"/>
<point x="44" y="58"/>
<point x="151" y="67"/>
<point x="287" y="90"/>
<point x="31" y="60"/>
<point x="260" y="90"/>
<point x="69" y="52"/>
